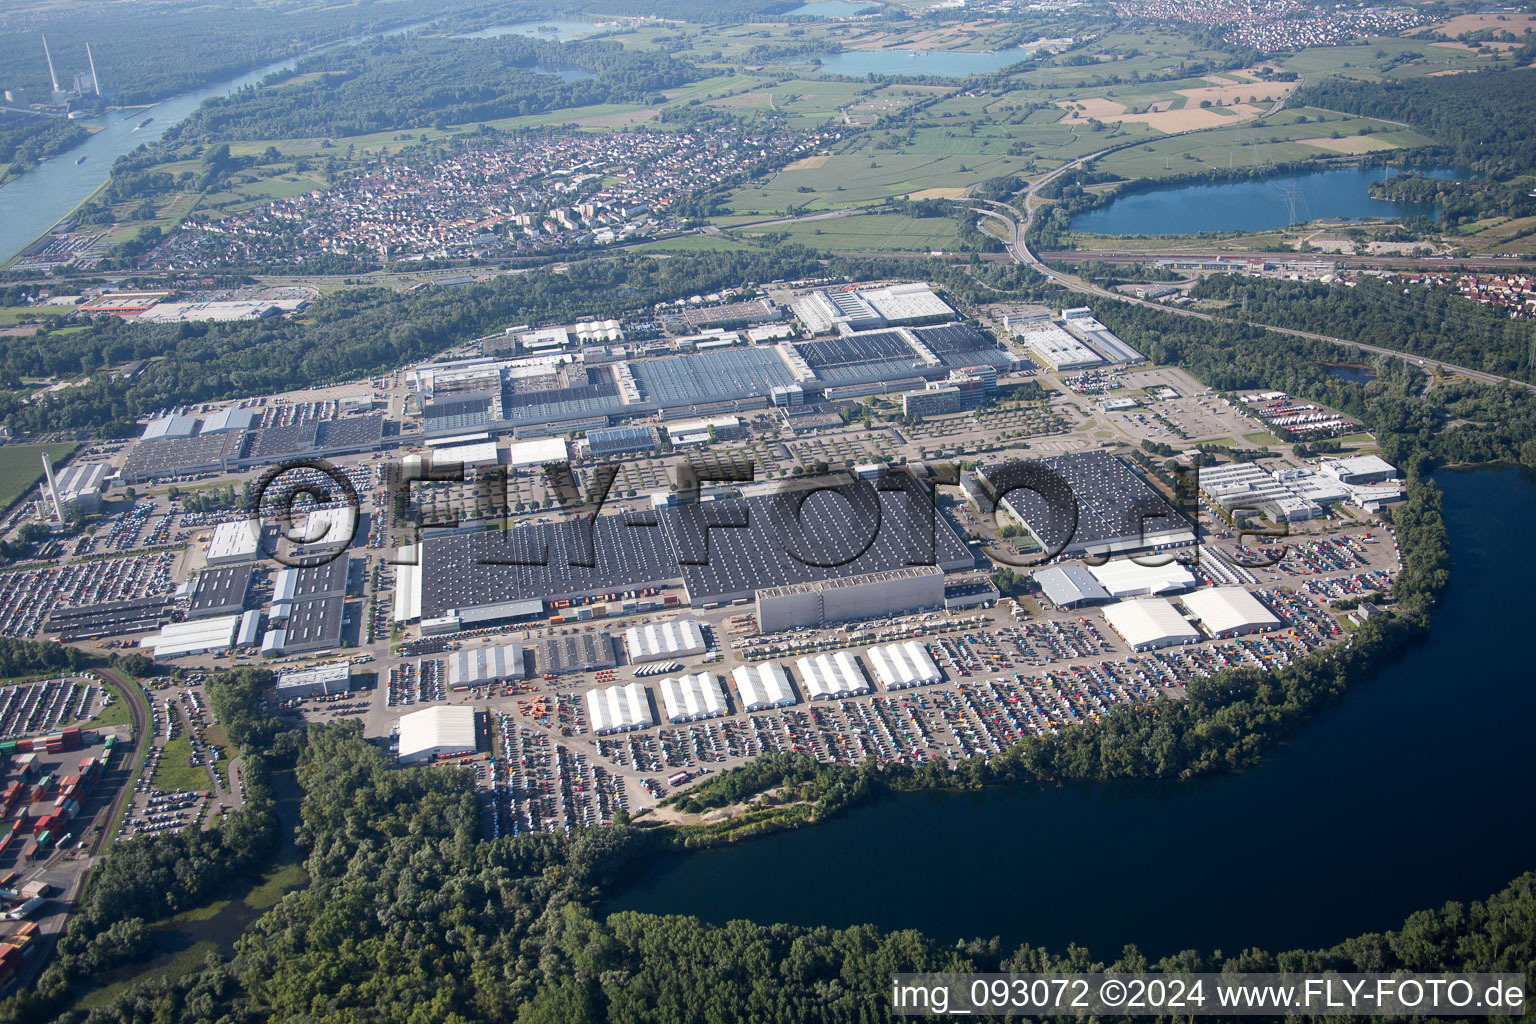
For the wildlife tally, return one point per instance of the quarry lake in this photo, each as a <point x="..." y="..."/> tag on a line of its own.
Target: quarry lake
<point x="1258" y="204"/>
<point x="1414" y="790"/>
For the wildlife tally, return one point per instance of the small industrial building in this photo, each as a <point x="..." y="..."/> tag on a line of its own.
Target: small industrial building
<point x="693" y="697"/>
<point x="219" y="591"/>
<point x="970" y="592"/>
<point x="614" y="709"/>
<point x="1123" y="577"/>
<point x="526" y="454"/>
<point x="1360" y="469"/>
<point x="169" y="426"/>
<point x="763" y="686"/>
<point x="1071" y="585"/>
<point x="578" y="652"/>
<point x="77" y="487"/>
<point x="1149" y="624"/>
<point x="485" y="665"/>
<point x="832" y="676"/>
<point x="199" y="636"/>
<point x="902" y="666"/>
<point x="229" y="418"/>
<point x="320" y="681"/>
<point x="822" y="602"/>
<point x="1230" y="611"/>
<point x="467" y="456"/>
<point x="232" y="543"/>
<point x="435" y="733"/>
<point x="663" y="641"/>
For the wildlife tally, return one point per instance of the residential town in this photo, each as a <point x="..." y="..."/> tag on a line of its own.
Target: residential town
<point x="528" y="193"/>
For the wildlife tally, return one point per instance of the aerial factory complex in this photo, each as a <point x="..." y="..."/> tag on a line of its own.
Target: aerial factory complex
<point x="839" y="584"/>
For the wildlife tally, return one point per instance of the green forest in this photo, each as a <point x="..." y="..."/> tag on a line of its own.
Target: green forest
<point x="417" y="82"/>
<point x="1485" y="120"/>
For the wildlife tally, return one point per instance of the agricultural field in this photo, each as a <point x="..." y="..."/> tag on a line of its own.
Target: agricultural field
<point x="21" y="469"/>
<point x="875" y="232"/>
<point x="10" y="316"/>
<point x="1286" y="137"/>
<point x="860" y="178"/>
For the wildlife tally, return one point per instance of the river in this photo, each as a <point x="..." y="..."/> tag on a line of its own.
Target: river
<point x="1257" y="204"/>
<point x="1411" y="792"/>
<point x="43" y="196"/>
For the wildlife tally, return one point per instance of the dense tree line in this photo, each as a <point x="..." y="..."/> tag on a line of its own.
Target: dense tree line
<point x="409" y="82"/>
<point x="34" y="657"/>
<point x="1417" y="321"/>
<point x="1484" y="120"/>
<point x="1459" y="202"/>
<point x="25" y="141"/>
<point x="409" y="918"/>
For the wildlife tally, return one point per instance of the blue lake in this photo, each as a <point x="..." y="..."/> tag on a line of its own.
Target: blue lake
<point x="1413" y="791"/>
<point x="1251" y="205"/>
<point x="942" y="63"/>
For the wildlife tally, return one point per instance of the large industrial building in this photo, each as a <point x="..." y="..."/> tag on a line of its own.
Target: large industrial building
<point x="904" y="665"/>
<point x="718" y="551"/>
<point x="612" y="709"/>
<point x="1093" y="503"/>
<point x="310" y="624"/>
<point x="1053" y="346"/>
<point x="1149" y="624"/>
<point x="763" y="686"/>
<point x="1230" y="611"/>
<point x="820" y="603"/>
<point x="436" y="733"/>
<point x="832" y="676"/>
<point x="693" y="697"/>
<point x="481" y="665"/>
<point x="664" y="641"/>
<point x="1080" y="322"/>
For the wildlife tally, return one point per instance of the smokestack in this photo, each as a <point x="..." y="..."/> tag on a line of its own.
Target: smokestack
<point x="52" y="488"/>
<point x="51" y="75"/>
<point x="95" y="82"/>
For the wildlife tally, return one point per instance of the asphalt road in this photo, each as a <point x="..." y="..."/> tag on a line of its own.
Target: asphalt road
<point x="1018" y="247"/>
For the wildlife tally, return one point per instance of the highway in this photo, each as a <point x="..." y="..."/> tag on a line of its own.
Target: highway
<point x="1018" y="247"/>
<point x="1489" y="263"/>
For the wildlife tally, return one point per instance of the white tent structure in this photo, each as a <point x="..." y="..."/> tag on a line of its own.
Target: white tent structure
<point x="904" y="665"/>
<point x="832" y="676"/>
<point x="1230" y="611"/>
<point x="437" y="732"/>
<point x="619" y="709"/>
<point x="763" y="686"/>
<point x="1123" y="577"/>
<point x="690" y="698"/>
<point x="1149" y="624"/>
<point x="663" y="640"/>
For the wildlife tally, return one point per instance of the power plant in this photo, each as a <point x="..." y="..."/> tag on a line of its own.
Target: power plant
<point x="62" y="101"/>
